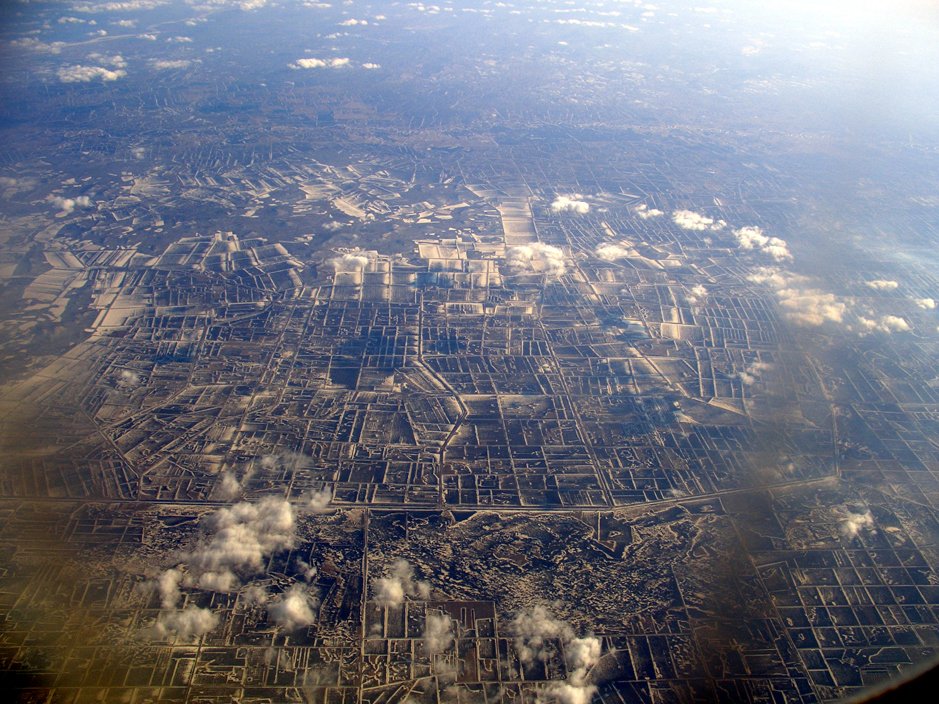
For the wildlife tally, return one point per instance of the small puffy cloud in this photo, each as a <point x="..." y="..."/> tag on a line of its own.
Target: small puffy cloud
<point x="192" y="621"/>
<point x="229" y="487"/>
<point x="697" y="293"/>
<point x="438" y="633"/>
<point x="753" y="371"/>
<point x="318" y="501"/>
<point x="886" y="323"/>
<point x="645" y="212"/>
<point x="318" y="63"/>
<point x="307" y="571"/>
<point x="179" y="40"/>
<point x="222" y="582"/>
<point x="128" y="379"/>
<point x="71" y="20"/>
<point x="537" y="257"/>
<point x="371" y="66"/>
<point x="87" y="74"/>
<point x="67" y="205"/>
<point x="389" y="591"/>
<point x="690" y="220"/>
<point x="750" y="237"/>
<point x="149" y="37"/>
<point x="352" y="22"/>
<point x="170" y="65"/>
<point x="532" y="627"/>
<point x="116" y="61"/>
<point x="125" y="23"/>
<point x="612" y="252"/>
<point x="811" y="307"/>
<point x="254" y="596"/>
<point x="925" y="303"/>
<point x="856" y="521"/>
<point x="167" y="584"/>
<point x="392" y="590"/>
<point x="244" y="536"/>
<point x="126" y="6"/>
<point x="12" y="186"/>
<point x="580" y="654"/>
<point x="567" y="693"/>
<point x="753" y="238"/>
<point x="294" y="609"/>
<point x="800" y="303"/>
<point x="882" y="285"/>
<point x="30" y="44"/>
<point x="570" y="204"/>
<point x="349" y="262"/>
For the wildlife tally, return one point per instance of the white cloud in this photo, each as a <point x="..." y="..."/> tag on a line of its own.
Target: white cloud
<point x="130" y="6"/>
<point x="352" y="23"/>
<point x="254" y="596"/>
<point x="691" y="220"/>
<point x="697" y="293"/>
<point x="391" y="591"/>
<point x="70" y="20"/>
<point x="307" y="571"/>
<point x="645" y="212"/>
<point x="192" y="621"/>
<point x="580" y="655"/>
<point x="800" y="304"/>
<point x="925" y="303"/>
<point x="12" y="186"/>
<point x="245" y="535"/>
<point x="116" y="61"/>
<point x="294" y="609"/>
<point x="537" y="257"/>
<point x="567" y="693"/>
<point x="882" y="285"/>
<point x="31" y="44"/>
<point x="179" y="40"/>
<point x="570" y="204"/>
<point x="318" y="501"/>
<point x="167" y="584"/>
<point x="612" y="252"/>
<point x="222" y="582"/>
<point x="171" y="65"/>
<point x="229" y="488"/>
<point x="128" y="379"/>
<point x="86" y="74"/>
<point x="438" y="633"/>
<point x="371" y="66"/>
<point x="752" y="373"/>
<point x="349" y="262"/>
<point x="125" y="23"/>
<point x="318" y="63"/>
<point x="886" y="323"/>
<point x="753" y="238"/>
<point x="856" y="521"/>
<point x="151" y="37"/>
<point x="67" y="205"/>
<point x="531" y="627"/>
